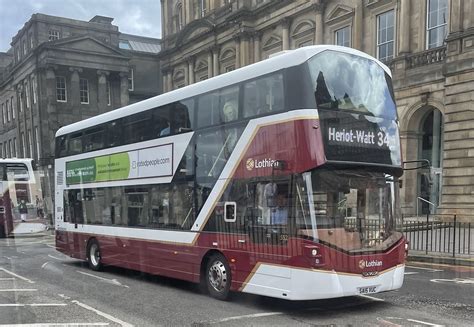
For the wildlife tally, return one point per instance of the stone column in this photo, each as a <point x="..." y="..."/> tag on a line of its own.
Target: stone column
<point x="209" y="63"/>
<point x="285" y="33"/>
<point x="405" y="26"/>
<point x="102" y="90"/>
<point x="124" y="96"/>
<point x="170" y="80"/>
<point x="187" y="12"/>
<point x="358" y="27"/>
<point x="164" y="19"/>
<point x="456" y="19"/>
<point x="319" y="27"/>
<point x="190" y="61"/>
<point x="244" y="49"/>
<point x="237" y="51"/>
<point x="215" y="60"/>
<point x="256" y="46"/>
<point x="164" y="73"/>
<point x="73" y="96"/>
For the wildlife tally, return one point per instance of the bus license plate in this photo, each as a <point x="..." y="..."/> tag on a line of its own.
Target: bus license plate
<point x="367" y="290"/>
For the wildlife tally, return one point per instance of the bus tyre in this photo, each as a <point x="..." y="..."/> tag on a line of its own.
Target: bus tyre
<point x="93" y="255"/>
<point x="218" y="277"/>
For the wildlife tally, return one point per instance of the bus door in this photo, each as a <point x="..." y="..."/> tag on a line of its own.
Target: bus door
<point x="268" y="224"/>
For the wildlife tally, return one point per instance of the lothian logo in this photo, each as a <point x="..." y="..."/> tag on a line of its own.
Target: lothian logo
<point x="250" y="164"/>
<point x="368" y="264"/>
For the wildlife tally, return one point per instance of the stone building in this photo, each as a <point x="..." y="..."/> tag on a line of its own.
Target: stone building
<point x="59" y="71"/>
<point x="428" y="44"/>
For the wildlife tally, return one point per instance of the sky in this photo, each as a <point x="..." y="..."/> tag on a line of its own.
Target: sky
<point x="139" y="17"/>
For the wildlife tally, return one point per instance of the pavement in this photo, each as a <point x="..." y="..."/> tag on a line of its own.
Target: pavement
<point x="441" y="258"/>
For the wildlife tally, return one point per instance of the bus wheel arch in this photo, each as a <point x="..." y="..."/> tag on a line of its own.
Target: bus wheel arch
<point x="93" y="255"/>
<point x="216" y="275"/>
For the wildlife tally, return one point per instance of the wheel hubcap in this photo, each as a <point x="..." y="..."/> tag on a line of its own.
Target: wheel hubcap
<point x="94" y="254"/>
<point x="218" y="276"/>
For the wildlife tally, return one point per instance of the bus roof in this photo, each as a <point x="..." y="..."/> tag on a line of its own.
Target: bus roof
<point x="16" y="160"/>
<point x="276" y="62"/>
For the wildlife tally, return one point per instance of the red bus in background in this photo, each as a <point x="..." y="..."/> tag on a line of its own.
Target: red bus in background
<point x="279" y="179"/>
<point x="18" y="184"/>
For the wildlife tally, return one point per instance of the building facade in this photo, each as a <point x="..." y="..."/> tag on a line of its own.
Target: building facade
<point x="428" y="44"/>
<point x="59" y="71"/>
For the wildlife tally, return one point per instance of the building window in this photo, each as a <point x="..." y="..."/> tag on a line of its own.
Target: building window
<point x="123" y="44"/>
<point x="37" y="143"/>
<point x="179" y="9"/>
<point x="107" y="91"/>
<point x="8" y="113"/>
<point x="12" y="107"/>
<point x="35" y="87"/>
<point x="437" y="17"/>
<point x="61" y="95"/>
<point x="30" y="144"/>
<point x="20" y="95"/>
<point x="53" y="35"/>
<point x="385" y="36"/>
<point x="31" y="41"/>
<point x="27" y="94"/>
<point x="18" y="54"/>
<point x="14" y="148"/>
<point x="23" y="145"/>
<point x="7" y="107"/>
<point x="84" y="90"/>
<point x="3" y="114"/>
<point x="131" y="85"/>
<point x="343" y="36"/>
<point x="202" y="8"/>
<point x="25" y="49"/>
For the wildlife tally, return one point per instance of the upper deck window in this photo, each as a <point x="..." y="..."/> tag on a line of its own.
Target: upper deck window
<point x="351" y="83"/>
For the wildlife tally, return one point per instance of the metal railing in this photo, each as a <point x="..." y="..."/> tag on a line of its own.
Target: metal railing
<point x="451" y="235"/>
<point x="440" y="234"/>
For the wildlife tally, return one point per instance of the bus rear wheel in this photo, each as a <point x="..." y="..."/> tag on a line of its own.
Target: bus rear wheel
<point x="218" y="277"/>
<point x="93" y="255"/>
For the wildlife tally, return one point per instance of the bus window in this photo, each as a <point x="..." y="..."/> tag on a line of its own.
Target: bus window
<point x="218" y="107"/>
<point x="183" y="116"/>
<point x="75" y="144"/>
<point x="93" y="139"/>
<point x="17" y="172"/>
<point x="263" y="96"/>
<point x="208" y="110"/>
<point x="138" y="127"/>
<point x="229" y="102"/>
<point x="162" y="121"/>
<point x="61" y="146"/>
<point x="114" y="134"/>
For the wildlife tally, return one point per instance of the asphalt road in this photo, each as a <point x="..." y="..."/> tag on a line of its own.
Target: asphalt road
<point x="41" y="287"/>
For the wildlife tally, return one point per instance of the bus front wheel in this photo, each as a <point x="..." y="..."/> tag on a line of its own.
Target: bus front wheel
<point x="93" y="255"/>
<point x="218" y="277"/>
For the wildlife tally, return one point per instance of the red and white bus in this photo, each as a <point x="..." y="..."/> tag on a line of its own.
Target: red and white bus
<point x="18" y="183"/>
<point x="279" y="179"/>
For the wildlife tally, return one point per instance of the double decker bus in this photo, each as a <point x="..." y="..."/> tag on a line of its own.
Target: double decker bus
<point x="18" y="184"/>
<point x="280" y="179"/>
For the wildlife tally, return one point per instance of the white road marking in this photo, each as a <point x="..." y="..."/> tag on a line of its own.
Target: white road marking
<point x="55" y="258"/>
<point x="72" y="324"/>
<point x="424" y="322"/>
<point x="7" y="278"/>
<point x="411" y="273"/>
<point x="455" y="280"/>
<point x="111" y="281"/>
<point x="44" y="264"/>
<point x="103" y="314"/>
<point x="255" y="315"/>
<point x="17" y="276"/>
<point x="51" y="246"/>
<point x="33" y="305"/>
<point x="371" y="297"/>
<point x="19" y="290"/>
<point x="386" y="322"/>
<point x="8" y="258"/>
<point x="64" y="296"/>
<point x="429" y="269"/>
